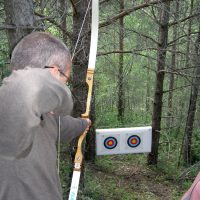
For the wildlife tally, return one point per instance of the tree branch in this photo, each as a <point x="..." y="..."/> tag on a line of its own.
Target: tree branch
<point x="51" y="20"/>
<point x="146" y="36"/>
<point x="186" y="76"/>
<point x="136" y="50"/>
<point x="182" y="20"/>
<point x="128" y="11"/>
<point x="74" y="7"/>
<point x="178" y="88"/>
<point x="182" y="36"/>
<point x="112" y="52"/>
<point x="8" y="26"/>
<point x="103" y="1"/>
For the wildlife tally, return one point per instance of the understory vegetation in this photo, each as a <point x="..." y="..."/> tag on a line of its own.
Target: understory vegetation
<point x="146" y="75"/>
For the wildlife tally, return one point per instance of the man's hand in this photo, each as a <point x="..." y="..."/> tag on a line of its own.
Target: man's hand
<point x="89" y="124"/>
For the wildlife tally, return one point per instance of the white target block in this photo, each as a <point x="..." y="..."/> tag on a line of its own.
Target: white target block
<point x="123" y="140"/>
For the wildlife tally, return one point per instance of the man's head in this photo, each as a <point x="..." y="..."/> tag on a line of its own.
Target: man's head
<point x="40" y="49"/>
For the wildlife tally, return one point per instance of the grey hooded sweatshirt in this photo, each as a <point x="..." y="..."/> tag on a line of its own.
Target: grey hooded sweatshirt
<point x="30" y="102"/>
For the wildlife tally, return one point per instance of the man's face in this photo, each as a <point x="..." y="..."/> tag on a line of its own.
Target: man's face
<point x="64" y="75"/>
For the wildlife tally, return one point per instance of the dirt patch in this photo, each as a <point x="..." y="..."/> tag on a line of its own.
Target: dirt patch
<point x="140" y="179"/>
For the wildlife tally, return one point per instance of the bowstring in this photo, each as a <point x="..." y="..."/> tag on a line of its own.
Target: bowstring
<point x="79" y="35"/>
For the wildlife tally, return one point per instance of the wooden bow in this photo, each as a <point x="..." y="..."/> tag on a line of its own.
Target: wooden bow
<point x="89" y="80"/>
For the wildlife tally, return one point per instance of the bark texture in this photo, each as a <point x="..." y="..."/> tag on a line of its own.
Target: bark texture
<point x="20" y="17"/>
<point x="158" y="95"/>
<point x="192" y="106"/>
<point x="121" y="93"/>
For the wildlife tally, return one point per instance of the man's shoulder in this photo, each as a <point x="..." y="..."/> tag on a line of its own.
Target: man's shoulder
<point x="28" y="76"/>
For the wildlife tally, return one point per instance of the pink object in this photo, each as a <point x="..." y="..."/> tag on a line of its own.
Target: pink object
<point x="194" y="192"/>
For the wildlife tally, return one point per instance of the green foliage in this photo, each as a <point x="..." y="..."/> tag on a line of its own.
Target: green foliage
<point x="4" y="71"/>
<point x="113" y="176"/>
<point x="196" y="146"/>
<point x="65" y="169"/>
<point x="126" y="177"/>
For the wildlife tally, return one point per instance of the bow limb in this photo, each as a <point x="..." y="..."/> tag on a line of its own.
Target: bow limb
<point x="89" y="80"/>
<point x="79" y="155"/>
<point x="90" y="72"/>
<point x="92" y="55"/>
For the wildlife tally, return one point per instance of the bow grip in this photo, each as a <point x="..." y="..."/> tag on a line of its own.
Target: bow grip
<point x="79" y="155"/>
<point x="89" y="81"/>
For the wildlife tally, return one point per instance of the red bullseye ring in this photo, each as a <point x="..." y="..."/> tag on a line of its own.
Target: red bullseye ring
<point x="110" y="143"/>
<point x="133" y="141"/>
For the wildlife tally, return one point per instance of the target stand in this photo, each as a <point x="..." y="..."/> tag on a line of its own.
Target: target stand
<point x="123" y="140"/>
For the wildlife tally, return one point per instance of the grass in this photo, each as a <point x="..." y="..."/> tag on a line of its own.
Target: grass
<point x="127" y="177"/>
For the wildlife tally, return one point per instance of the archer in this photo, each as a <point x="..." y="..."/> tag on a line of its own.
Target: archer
<point x="35" y="106"/>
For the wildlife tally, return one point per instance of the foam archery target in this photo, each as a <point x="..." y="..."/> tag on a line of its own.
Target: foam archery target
<point x="123" y="140"/>
<point x="110" y="143"/>
<point x="133" y="141"/>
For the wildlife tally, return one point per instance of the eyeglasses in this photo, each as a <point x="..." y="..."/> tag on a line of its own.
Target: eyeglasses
<point x="61" y="72"/>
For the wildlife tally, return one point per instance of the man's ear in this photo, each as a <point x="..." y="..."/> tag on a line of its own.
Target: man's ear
<point x="54" y="69"/>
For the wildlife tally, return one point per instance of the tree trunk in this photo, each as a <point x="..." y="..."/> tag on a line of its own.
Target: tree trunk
<point x="90" y="140"/>
<point x="189" y="36"/>
<point x="80" y="64"/>
<point x="63" y="15"/>
<point x="172" y="68"/>
<point x="187" y="65"/>
<point x="80" y="59"/>
<point x="147" y="102"/>
<point x="42" y="6"/>
<point x="192" y="106"/>
<point x="121" y="99"/>
<point x="158" y="96"/>
<point x="19" y="14"/>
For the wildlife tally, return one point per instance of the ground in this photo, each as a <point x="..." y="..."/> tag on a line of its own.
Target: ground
<point x="127" y="178"/>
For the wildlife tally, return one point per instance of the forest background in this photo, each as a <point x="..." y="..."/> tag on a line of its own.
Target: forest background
<point x="147" y="73"/>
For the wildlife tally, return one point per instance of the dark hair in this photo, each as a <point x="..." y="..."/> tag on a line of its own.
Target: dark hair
<point x="39" y="49"/>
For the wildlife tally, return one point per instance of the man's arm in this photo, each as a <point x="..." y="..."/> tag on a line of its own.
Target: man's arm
<point x="25" y="96"/>
<point x="72" y="127"/>
<point x="52" y="96"/>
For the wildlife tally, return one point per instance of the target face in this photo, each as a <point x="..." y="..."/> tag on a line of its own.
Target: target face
<point x="110" y="143"/>
<point x="133" y="141"/>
